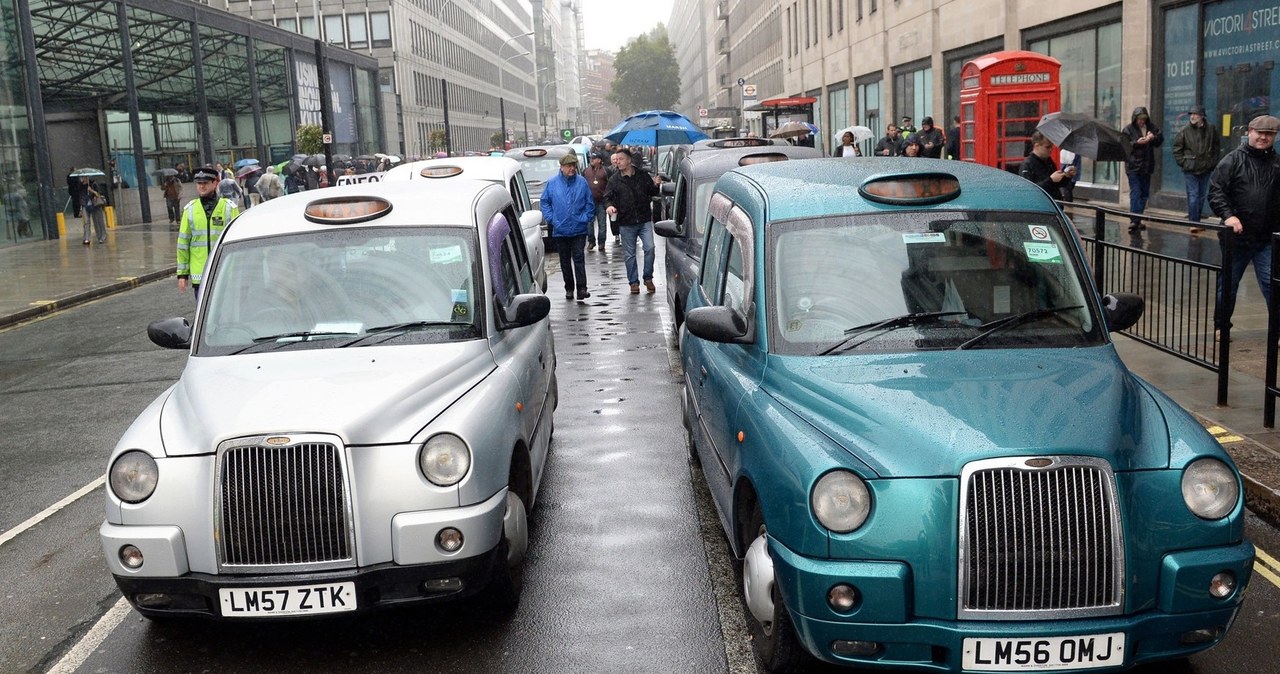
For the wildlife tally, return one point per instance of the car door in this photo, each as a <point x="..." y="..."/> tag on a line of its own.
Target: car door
<point x="719" y="375"/>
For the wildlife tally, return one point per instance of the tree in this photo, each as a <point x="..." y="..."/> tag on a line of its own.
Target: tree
<point x="310" y="139"/>
<point x="435" y="140"/>
<point x="648" y="77"/>
<point x="496" y="140"/>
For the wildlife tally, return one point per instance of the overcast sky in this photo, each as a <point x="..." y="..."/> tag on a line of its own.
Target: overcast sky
<point x="611" y="23"/>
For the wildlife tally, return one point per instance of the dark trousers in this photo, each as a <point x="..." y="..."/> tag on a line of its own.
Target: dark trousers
<point x="1243" y="253"/>
<point x="573" y="262"/>
<point x="175" y="210"/>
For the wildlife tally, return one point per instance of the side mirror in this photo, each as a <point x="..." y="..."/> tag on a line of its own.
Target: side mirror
<point x="667" y="228"/>
<point x="668" y="189"/>
<point x="524" y="310"/>
<point x="171" y="333"/>
<point x="718" y="324"/>
<point x="1122" y="310"/>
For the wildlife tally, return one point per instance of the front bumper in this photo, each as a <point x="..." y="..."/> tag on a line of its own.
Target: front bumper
<point x="884" y="616"/>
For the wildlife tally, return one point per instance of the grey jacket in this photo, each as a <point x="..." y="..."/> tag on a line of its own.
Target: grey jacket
<point x="1196" y="149"/>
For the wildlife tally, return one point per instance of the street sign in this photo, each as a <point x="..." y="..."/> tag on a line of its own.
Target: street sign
<point x="327" y="138"/>
<point x="741" y="81"/>
<point x="748" y="90"/>
<point x="702" y="112"/>
<point x="566" y="134"/>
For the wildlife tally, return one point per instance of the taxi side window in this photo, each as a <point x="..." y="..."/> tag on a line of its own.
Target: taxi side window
<point x="713" y="260"/>
<point x="503" y="264"/>
<point x="734" y="295"/>
<point x="681" y="201"/>
<point x="519" y="254"/>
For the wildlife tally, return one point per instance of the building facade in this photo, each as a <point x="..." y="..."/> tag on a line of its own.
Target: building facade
<point x="870" y="62"/>
<point x="597" y="82"/>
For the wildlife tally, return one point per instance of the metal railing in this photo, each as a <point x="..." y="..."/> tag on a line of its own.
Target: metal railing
<point x="1273" y="334"/>
<point x="1180" y="294"/>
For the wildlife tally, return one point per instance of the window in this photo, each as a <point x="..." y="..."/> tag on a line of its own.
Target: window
<point x="357" y="31"/>
<point x="333" y="30"/>
<point x="735" y="285"/>
<point x="713" y="261"/>
<point x="308" y="26"/>
<point x="913" y="92"/>
<point x="380" y="28"/>
<point x="290" y="24"/>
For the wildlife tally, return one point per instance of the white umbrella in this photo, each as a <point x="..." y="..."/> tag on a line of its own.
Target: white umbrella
<point x="860" y="133"/>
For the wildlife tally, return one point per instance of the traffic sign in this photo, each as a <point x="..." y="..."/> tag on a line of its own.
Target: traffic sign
<point x="748" y="91"/>
<point x="327" y="138"/>
<point x="566" y="134"/>
<point x="702" y="112"/>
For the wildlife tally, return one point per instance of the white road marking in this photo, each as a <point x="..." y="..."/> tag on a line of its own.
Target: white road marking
<point x="94" y="638"/>
<point x="44" y="514"/>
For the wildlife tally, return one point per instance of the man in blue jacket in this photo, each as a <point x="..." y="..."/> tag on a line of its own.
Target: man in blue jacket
<point x="567" y="208"/>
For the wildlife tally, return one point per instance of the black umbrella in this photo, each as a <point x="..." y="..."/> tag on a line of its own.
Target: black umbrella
<point x="1085" y="136"/>
<point x="316" y="160"/>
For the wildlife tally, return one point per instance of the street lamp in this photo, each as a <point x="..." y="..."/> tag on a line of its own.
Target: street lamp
<point x="508" y="40"/>
<point x="542" y="104"/>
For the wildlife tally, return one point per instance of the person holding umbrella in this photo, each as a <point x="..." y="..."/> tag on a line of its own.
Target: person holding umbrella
<point x="1146" y="137"/>
<point x="172" y="197"/>
<point x="1196" y="148"/>
<point x="847" y="147"/>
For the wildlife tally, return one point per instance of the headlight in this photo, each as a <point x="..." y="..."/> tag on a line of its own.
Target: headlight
<point x="841" y="501"/>
<point x="444" y="459"/>
<point x="134" y="476"/>
<point x="1209" y="489"/>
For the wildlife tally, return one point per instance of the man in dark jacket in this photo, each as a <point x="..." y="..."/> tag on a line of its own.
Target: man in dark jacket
<point x="1040" y="168"/>
<point x="953" y="139"/>
<point x="627" y="195"/>
<point x="597" y="176"/>
<point x="930" y="138"/>
<point x="891" y="144"/>
<point x="1141" y="163"/>
<point x="568" y="209"/>
<point x="75" y="190"/>
<point x="1196" y="149"/>
<point x="1244" y="190"/>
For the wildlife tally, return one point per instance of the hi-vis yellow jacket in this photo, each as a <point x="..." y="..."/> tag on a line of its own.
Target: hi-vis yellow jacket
<point x="197" y="235"/>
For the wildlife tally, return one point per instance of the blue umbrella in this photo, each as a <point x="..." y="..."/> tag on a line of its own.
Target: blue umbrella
<point x="656" y="127"/>
<point x="248" y="161"/>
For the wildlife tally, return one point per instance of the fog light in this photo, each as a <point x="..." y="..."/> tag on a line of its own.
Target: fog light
<point x="1201" y="636"/>
<point x="442" y="585"/>
<point x="449" y="539"/>
<point x="855" y="648"/>
<point x="131" y="557"/>
<point x="152" y="600"/>
<point x="1222" y="585"/>
<point x="842" y="597"/>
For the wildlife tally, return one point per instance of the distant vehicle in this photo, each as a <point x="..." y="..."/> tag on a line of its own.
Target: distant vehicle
<point x="363" y="421"/>
<point x="588" y="140"/>
<point x="918" y="437"/>
<point x="541" y="163"/>
<point x="691" y="195"/>
<point x="506" y="172"/>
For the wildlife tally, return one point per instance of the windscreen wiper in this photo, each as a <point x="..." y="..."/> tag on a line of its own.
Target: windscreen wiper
<point x="887" y="325"/>
<point x="397" y="328"/>
<point x="999" y="324"/>
<point x="292" y="338"/>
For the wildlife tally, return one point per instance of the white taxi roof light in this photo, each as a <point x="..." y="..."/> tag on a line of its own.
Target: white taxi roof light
<point x="539" y="152"/>
<point x="911" y="189"/>
<point x="440" y="171"/>
<point x="763" y="158"/>
<point x="346" y="210"/>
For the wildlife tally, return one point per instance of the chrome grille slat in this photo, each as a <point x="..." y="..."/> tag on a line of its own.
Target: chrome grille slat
<point x="1039" y="538"/>
<point x="283" y="507"/>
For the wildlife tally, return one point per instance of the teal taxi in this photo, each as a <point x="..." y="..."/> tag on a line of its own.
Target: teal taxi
<point x="900" y="384"/>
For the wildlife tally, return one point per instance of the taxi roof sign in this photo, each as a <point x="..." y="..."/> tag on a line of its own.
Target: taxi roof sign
<point x="911" y="189"/>
<point x="535" y="152"/>
<point x="440" y="171"/>
<point x="761" y="158"/>
<point x="346" y="210"/>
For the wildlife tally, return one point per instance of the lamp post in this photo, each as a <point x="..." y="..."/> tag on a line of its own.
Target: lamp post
<point x="444" y="89"/>
<point x="542" y="103"/>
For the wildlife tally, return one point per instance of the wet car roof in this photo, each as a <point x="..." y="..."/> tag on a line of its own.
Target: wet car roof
<point x="418" y="203"/>
<point x="829" y="186"/>
<point x="702" y="163"/>
<point x="480" y="168"/>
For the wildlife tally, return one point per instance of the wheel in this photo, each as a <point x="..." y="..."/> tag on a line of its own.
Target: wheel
<point x="503" y="593"/>
<point x="688" y="428"/>
<point x="773" y="639"/>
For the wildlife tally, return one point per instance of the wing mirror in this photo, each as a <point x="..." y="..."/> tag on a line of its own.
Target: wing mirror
<point x="171" y="333"/>
<point x="719" y="324"/>
<point x="1122" y="310"/>
<point x="668" y="229"/>
<point x="524" y="310"/>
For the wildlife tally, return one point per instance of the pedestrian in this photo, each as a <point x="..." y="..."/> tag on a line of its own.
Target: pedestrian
<point x="1244" y="190"/>
<point x="202" y="222"/>
<point x="906" y="127"/>
<point x="1196" y="148"/>
<point x="16" y="209"/>
<point x="911" y="148"/>
<point x="75" y="191"/>
<point x="249" y="188"/>
<point x="269" y="185"/>
<point x="891" y="144"/>
<point x="93" y="204"/>
<point x="311" y="178"/>
<point x="1040" y="168"/>
<point x="173" y="198"/>
<point x="847" y="147"/>
<point x="1146" y="137"/>
<point x="597" y="177"/>
<point x="183" y="174"/>
<point x="953" y="139"/>
<point x="295" y="182"/>
<point x="628" y="196"/>
<point x="1072" y="161"/>
<point x="930" y="138"/>
<point x="228" y="188"/>
<point x="567" y="208"/>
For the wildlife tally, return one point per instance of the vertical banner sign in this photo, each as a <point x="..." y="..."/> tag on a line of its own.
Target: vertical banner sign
<point x="308" y="91"/>
<point x="342" y="103"/>
<point x="1240" y="44"/>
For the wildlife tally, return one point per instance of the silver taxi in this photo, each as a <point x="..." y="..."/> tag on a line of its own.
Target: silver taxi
<point x="363" y="420"/>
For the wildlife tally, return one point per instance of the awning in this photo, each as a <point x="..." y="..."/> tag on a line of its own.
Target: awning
<point x="778" y="103"/>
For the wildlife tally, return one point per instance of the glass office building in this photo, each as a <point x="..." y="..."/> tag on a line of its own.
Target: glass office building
<point x="132" y="88"/>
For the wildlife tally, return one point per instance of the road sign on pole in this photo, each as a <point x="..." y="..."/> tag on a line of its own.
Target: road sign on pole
<point x="566" y="134"/>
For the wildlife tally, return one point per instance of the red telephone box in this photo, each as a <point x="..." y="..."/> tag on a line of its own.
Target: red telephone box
<point x="1002" y="98"/>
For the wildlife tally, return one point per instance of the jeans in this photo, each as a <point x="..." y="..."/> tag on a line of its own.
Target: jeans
<point x="629" y="233"/>
<point x="175" y="210"/>
<point x="1243" y="253"/>
<point x="573" y="263"/>
<point x="1197" y="191"/>
<point x="1139" y="192"/>
<point x="599" y="233"/>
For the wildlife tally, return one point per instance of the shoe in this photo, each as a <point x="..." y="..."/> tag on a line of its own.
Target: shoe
<point x="617" y="241"/>
<point x="1196" y="230"/>
<point x="1217" y="337"/>
<point x="86" y="242"/>
<point x="568" y="296"/>
<point x="582" y="295"/>
<point x="102" y="240"/>
<point x="635" y="287"/>
<point x="648" y="285"/>
<point x="591" y="245"/>
<point x="1137" y="227"/>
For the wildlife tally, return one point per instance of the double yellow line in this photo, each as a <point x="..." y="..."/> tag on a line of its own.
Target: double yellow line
<point x="1266" y="566"/>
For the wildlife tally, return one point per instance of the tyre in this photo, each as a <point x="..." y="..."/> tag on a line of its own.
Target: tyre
<point x="688" y="428"/>
<point x="773" y="640"/>
<point x="507" y="583"/>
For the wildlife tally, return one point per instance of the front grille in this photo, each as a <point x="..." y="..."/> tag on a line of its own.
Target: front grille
<point x="1039" y="535"/>
<point x="283" y="507"/>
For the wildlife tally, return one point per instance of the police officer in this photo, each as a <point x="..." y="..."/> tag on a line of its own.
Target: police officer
<point x="203" y="220"/>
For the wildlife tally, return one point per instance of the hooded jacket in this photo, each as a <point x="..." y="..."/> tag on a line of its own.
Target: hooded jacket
<point x="1143" y="158"/>
<point x="567" y="205"/>
<point x="1196" y="148"/>
<point x="1246" y="184"/>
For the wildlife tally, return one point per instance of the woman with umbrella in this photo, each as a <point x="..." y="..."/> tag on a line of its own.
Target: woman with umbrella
<point x="847" y="147"/>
